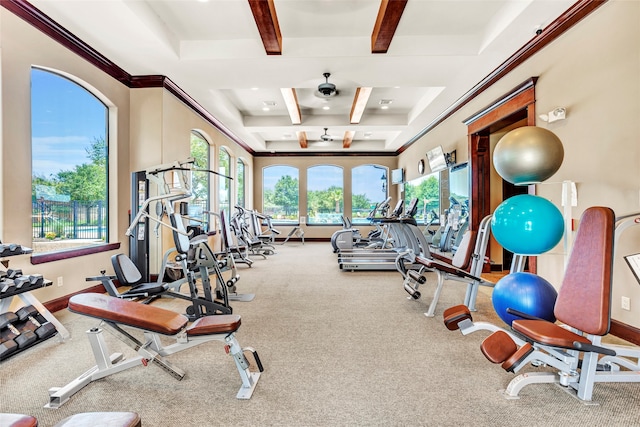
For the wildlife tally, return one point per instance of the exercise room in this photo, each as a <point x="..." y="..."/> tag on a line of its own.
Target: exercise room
<point x="319" y="213"/>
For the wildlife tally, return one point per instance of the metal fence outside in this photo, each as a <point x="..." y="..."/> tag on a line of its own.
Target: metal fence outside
<point x="69" y="220"/>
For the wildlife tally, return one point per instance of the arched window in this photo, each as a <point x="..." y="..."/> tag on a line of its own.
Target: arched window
<point x="280" y="194"/>
<point x="369" y="184"/>
<point x="69" y="164"/>
<point x="325" y="195"/>
<point x="200" y="181"/>
<point x="224" y="184"/>
<point x="240" y="183"/>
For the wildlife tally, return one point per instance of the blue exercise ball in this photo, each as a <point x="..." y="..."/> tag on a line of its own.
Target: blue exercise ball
<point x="528" y="155"/>
<point x="525" y="292"/>
<point x="527" y="225"/>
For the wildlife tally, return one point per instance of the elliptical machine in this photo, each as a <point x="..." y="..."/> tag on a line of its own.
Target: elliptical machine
<point x="349" y="237"/>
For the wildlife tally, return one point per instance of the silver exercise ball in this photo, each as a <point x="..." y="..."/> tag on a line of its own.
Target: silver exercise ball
<point x="528" y="155"/>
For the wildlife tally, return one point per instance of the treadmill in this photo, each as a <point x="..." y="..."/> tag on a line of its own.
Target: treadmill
<point x="405" y="234"/>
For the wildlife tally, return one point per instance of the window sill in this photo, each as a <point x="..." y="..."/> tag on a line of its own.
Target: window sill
<point x="73" y="253"/>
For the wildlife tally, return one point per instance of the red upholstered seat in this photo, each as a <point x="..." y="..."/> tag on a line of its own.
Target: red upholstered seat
<point x="17" y="420"/>
<point x="128" y="313"/>
<point x="584" y="299"/>
<point x="221" y="324"/>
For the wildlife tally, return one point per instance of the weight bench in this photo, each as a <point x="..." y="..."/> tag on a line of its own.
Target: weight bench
<point x="583" y="306"/>
<point x="116" y="314"/>
<point x="465" y="266"/>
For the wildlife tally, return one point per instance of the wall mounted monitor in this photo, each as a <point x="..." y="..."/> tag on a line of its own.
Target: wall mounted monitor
<point x="397" y="176"/>
<point x="437" y="159"/>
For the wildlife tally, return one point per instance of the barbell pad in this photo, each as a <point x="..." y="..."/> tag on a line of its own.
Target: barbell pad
<point x="454" y="315"/>
<point x="498" y="347"/>
<point x="516" y="358"/>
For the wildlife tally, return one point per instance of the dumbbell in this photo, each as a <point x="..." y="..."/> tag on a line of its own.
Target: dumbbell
<point x="13" y="273"/>
<point x="36" y="280"/>
<point x="7" y="285"/>
<point x="22" y="281"/>
<point x="7" y="348"/>
<point x="44" y="329"/>
<point x="10" y="249"/>
<point x="23" y="339"/>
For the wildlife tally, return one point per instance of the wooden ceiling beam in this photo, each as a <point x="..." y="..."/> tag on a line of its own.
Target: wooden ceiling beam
<point x="359" y="103"/>
<point x="387" y="21"/>
<point x="264" y="13"/>
<point x="291" y="101"/>
<point x="302" y="139"/>
<point x="348" y="138"/>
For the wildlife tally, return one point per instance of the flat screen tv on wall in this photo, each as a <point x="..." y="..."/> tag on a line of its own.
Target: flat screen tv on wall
<point x="397" y="176"/>
<point x="437" y="159"/>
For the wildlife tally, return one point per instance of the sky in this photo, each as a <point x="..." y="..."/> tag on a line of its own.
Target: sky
<point x="65" y="120"/>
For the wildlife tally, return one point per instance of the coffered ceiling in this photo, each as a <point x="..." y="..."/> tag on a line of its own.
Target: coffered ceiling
<point x="256" y="65"/>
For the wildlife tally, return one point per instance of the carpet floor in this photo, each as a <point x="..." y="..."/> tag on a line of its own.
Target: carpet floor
<point x="339" y="349"/>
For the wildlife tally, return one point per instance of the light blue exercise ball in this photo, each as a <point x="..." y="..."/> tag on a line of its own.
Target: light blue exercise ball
<point x="528" y="155"/>
<point x="527" y="224"/>
<point x="525" y="292"/>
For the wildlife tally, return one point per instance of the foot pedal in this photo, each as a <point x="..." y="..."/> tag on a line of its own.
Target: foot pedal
<point x="254" y="360"/>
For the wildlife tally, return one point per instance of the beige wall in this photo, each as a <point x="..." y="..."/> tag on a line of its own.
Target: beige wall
<point x="302" y="163"/>
<point x="595" y="74"/>
<point x="147" y="127"/>
<point x="160" y="133"/>
<point x="592" y="71"/>
<point x="23" y="47"/>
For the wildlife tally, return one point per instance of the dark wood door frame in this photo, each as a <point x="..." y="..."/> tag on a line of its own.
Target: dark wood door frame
<point x="515" y="106"/>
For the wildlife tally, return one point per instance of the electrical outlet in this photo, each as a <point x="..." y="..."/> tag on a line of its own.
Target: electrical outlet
<point x="626" y="303"/>
<point x="60" y="281"/>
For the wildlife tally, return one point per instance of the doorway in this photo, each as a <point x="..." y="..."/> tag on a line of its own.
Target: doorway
<point x="488" y="189"/>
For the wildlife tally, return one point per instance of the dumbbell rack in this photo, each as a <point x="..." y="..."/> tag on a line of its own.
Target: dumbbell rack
<point x="24" y="291"/>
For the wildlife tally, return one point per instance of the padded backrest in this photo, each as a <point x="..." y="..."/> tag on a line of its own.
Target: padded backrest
<point x="180" y="237"/>
<point x="126" y="271"/>
<point x="462" y="257"/>
<point x="227" y="238"/>
<point x="584" y="299"/>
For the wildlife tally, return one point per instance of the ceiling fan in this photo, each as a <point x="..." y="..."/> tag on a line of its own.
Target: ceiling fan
<point x="326" y="89"/>
<point x="325" y="137"/>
